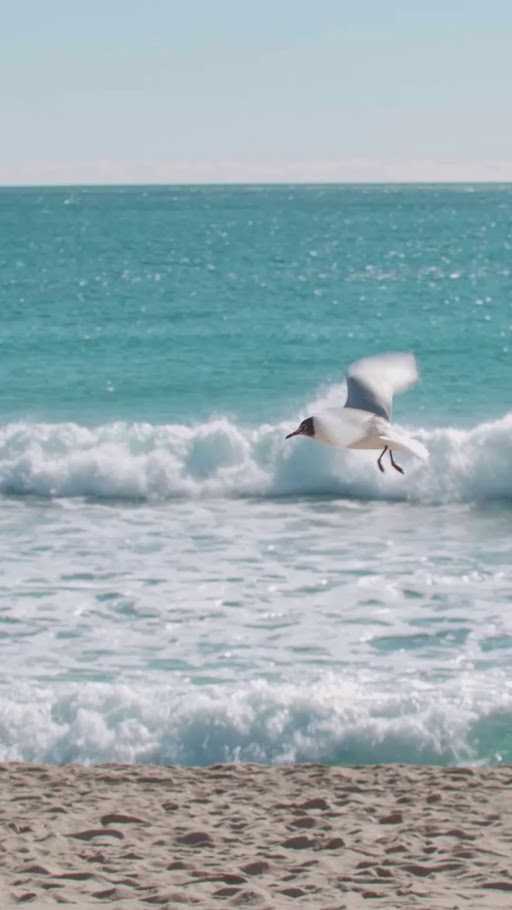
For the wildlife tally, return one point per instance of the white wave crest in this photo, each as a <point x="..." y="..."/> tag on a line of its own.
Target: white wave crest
<point x="338" y="721"/>
<point x="220" y="458"/>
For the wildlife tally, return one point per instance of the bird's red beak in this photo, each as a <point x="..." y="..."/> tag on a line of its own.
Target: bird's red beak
<point x="296" y="432"/>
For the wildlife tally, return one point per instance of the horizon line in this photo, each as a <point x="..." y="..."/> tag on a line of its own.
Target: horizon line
<point x="245" y="183"/>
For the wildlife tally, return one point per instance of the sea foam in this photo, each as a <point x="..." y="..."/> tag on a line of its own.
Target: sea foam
<point x="222" y="458"/>
<point x="337" y="720"/>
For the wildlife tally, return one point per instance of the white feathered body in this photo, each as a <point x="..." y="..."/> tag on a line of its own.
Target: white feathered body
<point x="365" y="421"/>
<point x="350" y="428"/>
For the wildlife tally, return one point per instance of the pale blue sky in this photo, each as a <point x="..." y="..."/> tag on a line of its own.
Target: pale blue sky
<point x="124" y="91"/>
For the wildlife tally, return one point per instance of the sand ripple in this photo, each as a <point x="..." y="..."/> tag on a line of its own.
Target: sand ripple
<point x="255" y="836"/>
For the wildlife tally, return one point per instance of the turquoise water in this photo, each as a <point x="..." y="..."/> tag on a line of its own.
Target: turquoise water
<point x="177" y="582"/>
<point x="244" y="301"/>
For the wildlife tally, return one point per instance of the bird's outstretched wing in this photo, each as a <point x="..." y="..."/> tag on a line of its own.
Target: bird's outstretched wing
<point x="372" y="382"/>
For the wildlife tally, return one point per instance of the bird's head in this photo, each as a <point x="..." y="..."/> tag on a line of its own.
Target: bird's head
<point x="306" y="428"/>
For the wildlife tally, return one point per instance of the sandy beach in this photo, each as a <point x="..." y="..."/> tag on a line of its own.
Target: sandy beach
<point x="254" y="836"/>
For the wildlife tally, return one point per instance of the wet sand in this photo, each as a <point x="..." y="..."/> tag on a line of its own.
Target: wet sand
<point x="393" y="836"/>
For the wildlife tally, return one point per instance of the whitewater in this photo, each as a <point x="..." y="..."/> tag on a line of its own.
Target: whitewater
<point x="220" y="458"/>
<point x="208" y="593"/>
<point x="179" y="583"/>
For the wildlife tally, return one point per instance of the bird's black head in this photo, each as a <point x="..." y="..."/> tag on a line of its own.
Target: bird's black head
<point x="306" y="428"/>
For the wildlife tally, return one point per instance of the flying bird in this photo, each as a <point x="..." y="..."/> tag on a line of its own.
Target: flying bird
<point x="365" y="421"/>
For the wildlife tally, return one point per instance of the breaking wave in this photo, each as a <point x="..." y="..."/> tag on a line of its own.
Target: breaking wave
<point x="221" y="458"/>
<point x="348" y="721"/>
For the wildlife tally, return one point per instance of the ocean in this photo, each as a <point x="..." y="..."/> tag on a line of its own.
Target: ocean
<point x="179" y="583"/>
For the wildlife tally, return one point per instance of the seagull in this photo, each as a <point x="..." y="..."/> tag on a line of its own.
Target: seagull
<point x="364" y="422"/>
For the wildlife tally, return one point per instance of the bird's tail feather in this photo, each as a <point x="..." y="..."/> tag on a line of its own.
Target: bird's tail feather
<point x="397" y="439"/>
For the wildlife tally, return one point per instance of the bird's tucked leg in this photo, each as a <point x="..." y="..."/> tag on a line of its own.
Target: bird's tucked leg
<point x="379" y="459"/>
<point x="393" y="462"/>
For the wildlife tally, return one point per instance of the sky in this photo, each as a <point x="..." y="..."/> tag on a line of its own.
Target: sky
<point x="118" y="91"/>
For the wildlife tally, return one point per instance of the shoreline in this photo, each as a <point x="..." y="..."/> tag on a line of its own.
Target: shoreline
<point x="268" y="837"/>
